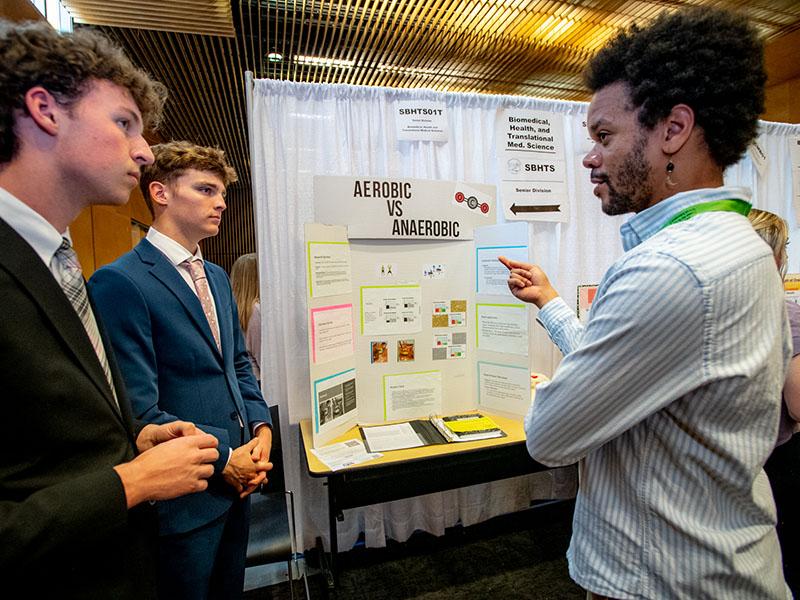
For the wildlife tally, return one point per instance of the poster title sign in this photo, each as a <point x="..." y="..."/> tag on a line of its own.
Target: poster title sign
<point x="381" y="208"/>
<point x="532" y="165"/>
<point x="421" y="120"/>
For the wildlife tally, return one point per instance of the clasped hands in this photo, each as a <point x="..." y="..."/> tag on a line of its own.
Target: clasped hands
<point x="177" y="458"/>
<point x="174" y="459"/>
<point x="249" y="463"/>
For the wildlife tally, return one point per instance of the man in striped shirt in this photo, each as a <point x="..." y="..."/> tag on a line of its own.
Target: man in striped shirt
<point x="670" y="396"/>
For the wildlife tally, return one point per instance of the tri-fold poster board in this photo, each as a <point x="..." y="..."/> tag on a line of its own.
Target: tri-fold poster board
<point x="409" y="312"/>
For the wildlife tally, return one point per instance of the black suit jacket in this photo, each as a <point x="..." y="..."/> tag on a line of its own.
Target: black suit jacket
<point x="64" y="525"/>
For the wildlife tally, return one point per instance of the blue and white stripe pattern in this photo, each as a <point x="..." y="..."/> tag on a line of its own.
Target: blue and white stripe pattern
<point x="670" y="398"/>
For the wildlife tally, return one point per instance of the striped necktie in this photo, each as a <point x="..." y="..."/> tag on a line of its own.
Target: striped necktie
<point x="71" y="280"/>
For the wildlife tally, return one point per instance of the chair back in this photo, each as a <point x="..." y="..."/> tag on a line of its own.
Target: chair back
<point x="270" y="535"/>
<point x="276" y="480"/>
<point x="272" y="522"/>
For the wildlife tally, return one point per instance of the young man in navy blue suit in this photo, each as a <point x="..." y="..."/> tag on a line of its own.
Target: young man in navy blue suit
<point x="174" y="326"/>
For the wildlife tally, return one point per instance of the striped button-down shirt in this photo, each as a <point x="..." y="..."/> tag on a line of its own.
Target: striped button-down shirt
<point x="670" y="399"/>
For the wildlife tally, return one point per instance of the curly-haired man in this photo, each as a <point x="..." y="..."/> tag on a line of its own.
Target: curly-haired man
<point x="670" y="396"/>
<point x="76" y="473"/>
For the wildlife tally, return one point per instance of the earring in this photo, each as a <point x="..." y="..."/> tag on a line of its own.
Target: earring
<point x="670" y="169"/>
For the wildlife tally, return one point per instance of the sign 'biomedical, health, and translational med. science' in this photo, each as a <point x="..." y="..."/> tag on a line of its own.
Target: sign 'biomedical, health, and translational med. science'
<point x="389" y="208"/>
<point x="532" y="165"/>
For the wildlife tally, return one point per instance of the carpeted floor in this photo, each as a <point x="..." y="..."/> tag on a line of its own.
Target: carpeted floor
<point x="515" y="556"/>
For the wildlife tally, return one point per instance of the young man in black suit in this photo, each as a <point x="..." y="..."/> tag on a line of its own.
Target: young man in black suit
<point x="76" y="473"/>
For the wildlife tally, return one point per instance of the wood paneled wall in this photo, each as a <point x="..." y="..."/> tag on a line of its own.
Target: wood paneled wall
<point x="19" y="10"/>
<point x="783" y="102"/>
<point x="237" y="232"/>
<point x="782" y="58"/>
<point x="101" y="234"/>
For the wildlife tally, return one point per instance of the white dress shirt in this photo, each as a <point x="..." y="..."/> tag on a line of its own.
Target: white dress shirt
<point x="176" y="254"/>
<point x="33" y="228"/>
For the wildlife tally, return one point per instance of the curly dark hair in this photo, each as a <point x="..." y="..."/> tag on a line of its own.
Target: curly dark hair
<point x="34" y="54"/>
<point x="173" y="159"/>
<point x="709" y="59"/>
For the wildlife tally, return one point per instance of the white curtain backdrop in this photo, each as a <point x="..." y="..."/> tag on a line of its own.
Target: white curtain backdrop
<point x="302" y="130"/>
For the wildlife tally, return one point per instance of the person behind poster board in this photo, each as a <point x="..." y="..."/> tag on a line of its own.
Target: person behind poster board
<point x="244" y="282"/>
<point x="175" y="329"/>
<point x="774" y="231"/>
<point x="783" y="466"/>
<point x="78" y="476"/>
<point x="670" y="395"/>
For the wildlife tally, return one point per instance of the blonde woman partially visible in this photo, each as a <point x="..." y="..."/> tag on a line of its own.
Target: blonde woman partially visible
<point x="775" y="232"/>
<point x="244" y="281"/>
<point x="783" y="466"/>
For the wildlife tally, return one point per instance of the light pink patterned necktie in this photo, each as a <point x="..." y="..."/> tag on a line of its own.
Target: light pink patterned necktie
<point x="198" y="273"/>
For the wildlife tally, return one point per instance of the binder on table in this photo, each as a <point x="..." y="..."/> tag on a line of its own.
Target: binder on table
<point x="466" y="427"/>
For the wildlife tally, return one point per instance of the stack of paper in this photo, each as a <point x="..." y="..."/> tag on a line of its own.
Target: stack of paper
<point x="382" y="438"/>
<point x="344" y="454"/>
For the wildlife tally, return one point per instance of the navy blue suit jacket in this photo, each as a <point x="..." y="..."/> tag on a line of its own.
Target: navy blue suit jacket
<point x="172" y="367"/>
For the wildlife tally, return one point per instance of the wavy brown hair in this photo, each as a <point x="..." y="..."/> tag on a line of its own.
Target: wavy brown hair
<point x="66" y="65"/>
<point x="173" y="159"/>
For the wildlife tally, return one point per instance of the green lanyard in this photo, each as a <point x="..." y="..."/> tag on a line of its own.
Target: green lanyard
<point x="738" y="206"/>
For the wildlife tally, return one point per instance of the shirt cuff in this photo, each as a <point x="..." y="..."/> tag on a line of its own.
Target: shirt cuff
<point x="255" y="426"/>
<point x="561" y="324"/>
<point x="554" y="314"/>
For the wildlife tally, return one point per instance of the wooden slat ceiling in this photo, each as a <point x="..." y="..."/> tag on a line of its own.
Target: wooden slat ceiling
<point x="208" y="17"/>
<point x="522" y="47"/>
